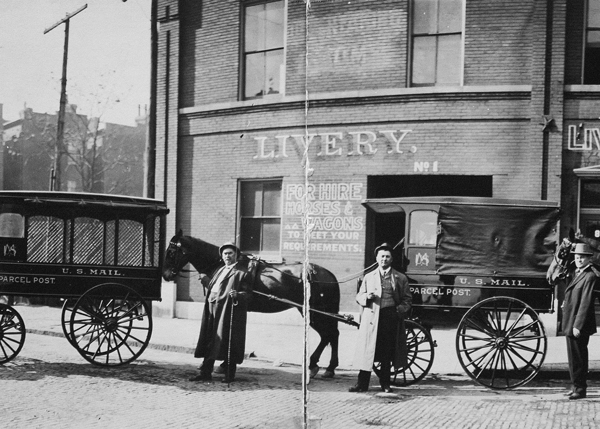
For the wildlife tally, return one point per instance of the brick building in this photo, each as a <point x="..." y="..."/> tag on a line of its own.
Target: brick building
<point x="405" y="98"/>
<point x="97" y="156"/>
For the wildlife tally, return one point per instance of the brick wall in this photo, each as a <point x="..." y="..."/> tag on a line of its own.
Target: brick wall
<point x="498" y="42"/>
<point x="358" y="59"/>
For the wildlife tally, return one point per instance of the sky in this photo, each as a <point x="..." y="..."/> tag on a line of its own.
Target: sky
<point x="108" y="67"/>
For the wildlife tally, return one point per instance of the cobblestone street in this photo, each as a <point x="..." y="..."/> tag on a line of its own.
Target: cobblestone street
<point x="50" y="386"/>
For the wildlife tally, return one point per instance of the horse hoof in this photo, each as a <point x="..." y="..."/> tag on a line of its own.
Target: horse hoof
<point x="314" y="371"/>
<point x="328" y="374"/>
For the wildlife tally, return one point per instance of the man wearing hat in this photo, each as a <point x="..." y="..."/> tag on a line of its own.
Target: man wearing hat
<point x="223" y="335"/>
<point x="578" y="319"/>
<point x="385" y="298"/>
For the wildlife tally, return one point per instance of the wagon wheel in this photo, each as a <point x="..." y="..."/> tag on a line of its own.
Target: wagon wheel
<point x="12" y="333"/>
<point x="110" y="325"/>
<point x="420" y="347"/>
<point x="501" y="343"/>
<point x="65" y="318"/>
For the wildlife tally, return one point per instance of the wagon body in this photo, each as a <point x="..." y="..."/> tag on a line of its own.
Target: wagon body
<point x="63" y="244"/>
<point x="102" y="253"/>
<point x="485" y="259"/>
<point x="460" y="251"/>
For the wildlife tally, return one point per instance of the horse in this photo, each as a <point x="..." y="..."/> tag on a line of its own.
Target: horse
<point x="275" y="287"/>
<point x="561" y="262"/>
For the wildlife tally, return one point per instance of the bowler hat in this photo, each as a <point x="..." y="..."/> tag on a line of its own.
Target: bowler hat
<point x="229" y="245"/>
<point x="383" y="246"/>
<point x="582" y="249"/>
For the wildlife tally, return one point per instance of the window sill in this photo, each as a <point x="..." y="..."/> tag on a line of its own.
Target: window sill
<point x="582" y="88"/>
<point x="283" y="99"/>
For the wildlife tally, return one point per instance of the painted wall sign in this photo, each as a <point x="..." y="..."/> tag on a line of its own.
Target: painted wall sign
<point x="352" y="143"/>
<point x="334" y="226"/>
<point x="581" y="138"/>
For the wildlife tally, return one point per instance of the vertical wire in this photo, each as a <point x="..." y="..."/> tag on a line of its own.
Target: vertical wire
<point x="306" y="225"/>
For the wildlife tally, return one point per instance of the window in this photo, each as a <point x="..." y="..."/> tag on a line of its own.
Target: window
<point x="423" y="228"/>
<point x="260" y="216"/>
<point x="45" y="239"/>
<point x="12" y="225"/>
<point x="436" y="42"/>
<point x="263" y="49"/>
<point x="592" y="44"/>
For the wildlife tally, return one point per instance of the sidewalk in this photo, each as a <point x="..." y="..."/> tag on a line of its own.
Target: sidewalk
<point x="268" y="339"/>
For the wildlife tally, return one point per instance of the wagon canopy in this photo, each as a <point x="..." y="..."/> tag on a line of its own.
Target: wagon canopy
<point x="487" y="236"/>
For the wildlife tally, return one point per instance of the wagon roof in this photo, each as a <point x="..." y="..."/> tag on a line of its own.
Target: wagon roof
<point x="83" y="199"/>
<point x="394" y="205"/>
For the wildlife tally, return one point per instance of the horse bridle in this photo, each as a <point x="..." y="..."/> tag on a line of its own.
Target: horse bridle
<point x="177" y="253"/>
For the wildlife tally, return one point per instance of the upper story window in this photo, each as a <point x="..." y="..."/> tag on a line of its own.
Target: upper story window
<point x="591" y="74"/>
<point x="436" y="39"/>
<point x="263" y="54"/>
<point x="260" y="217"/>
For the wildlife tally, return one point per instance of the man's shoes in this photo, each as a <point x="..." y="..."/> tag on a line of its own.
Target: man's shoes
<point x="569" y="393"/>
<point x="386" y="389"/>
<point x="201" y="377"/>
<point x="357" y="388"/>
<point x="227" y="380"/>
<point x="577" y="395"/>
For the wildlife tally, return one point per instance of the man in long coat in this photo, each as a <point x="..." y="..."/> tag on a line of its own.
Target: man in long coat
<point x="579" y="321"/>
<point x="385" y="298"/>
<point x="229" y="289"/>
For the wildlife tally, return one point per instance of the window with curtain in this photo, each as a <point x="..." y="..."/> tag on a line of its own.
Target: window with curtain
<point x="260" y="216"/>
<point x="436" y="42"/>
<point x="263" y="52"/>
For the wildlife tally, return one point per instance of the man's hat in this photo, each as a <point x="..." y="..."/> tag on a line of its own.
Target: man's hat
<point x="582" y="249"/>
<point x="229" y="245"/>
<point x="383" y="246"/>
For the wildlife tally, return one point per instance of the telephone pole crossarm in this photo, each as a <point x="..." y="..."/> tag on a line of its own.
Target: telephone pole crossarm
<point x="66" y="18"/>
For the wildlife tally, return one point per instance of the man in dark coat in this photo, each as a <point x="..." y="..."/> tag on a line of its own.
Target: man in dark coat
<point x="386" y="298"/>
<point x="579" y="321"/>
<point x="229" y="290"/>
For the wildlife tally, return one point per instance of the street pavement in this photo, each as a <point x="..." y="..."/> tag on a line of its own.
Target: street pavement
<point x="278" y="338"/>
<point x="50" y="386"/>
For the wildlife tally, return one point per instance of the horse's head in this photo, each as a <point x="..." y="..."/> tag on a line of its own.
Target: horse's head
<point x="184" y="249"/>
<point x="560" y="262"/>
<point x="176" y="257"/>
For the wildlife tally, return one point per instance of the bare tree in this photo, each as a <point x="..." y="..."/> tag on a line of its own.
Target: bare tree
<point x="95" y="157"/>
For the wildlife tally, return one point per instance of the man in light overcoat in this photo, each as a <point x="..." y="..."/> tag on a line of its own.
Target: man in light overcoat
<point x="385" y="298"/>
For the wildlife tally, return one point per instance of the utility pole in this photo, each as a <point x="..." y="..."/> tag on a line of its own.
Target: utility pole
<point x="150" y="155"/>
<point x="60" y="127"/>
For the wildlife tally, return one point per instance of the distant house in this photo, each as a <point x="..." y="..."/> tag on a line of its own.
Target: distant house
<point x="95" y="156"/>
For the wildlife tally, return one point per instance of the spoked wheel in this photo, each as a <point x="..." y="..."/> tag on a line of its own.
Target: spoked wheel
<point x="12" y="333"/>
<point x="110" y="325"/>
<point x="65" y="318"/>
<point x="420" y="356"/>
<point x="501" y="343"/>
